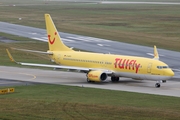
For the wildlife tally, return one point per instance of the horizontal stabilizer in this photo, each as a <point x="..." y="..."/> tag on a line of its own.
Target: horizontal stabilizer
<point x="34" y="51"/>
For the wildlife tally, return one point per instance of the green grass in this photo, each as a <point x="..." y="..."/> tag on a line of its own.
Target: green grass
<point x="64" y="102"/>
<point x="137" y="24"/>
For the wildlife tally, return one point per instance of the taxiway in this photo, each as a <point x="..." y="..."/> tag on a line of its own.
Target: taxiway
<point x="27" y="75"/>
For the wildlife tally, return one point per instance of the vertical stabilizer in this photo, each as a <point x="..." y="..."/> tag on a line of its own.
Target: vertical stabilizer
<point x="54" y="41"/>
<point x="156" y="55"/>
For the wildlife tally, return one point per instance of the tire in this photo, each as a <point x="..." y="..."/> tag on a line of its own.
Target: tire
<point x="114" y="79"/>
<point x="88" y="80"/>
<point x="157" y="85"/>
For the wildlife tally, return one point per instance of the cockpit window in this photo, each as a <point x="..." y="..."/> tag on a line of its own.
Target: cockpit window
<point x="165" y="67"/>
<point x="162" y="67"/>
<point x="159" y="67"/>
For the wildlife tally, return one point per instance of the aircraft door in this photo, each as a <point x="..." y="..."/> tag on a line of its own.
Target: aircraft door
<point x="149" y="68"/>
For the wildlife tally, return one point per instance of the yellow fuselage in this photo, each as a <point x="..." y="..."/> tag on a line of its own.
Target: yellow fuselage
<point x="122" y="66"/>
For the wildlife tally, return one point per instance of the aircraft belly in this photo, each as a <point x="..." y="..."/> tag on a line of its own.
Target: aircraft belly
<point x="141" y="76"/>
<point x="157" y="77"/>
<point x="130" y="75"/>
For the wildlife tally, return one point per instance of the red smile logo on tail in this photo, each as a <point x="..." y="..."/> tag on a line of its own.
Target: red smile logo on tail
<point x="49" y="38"/>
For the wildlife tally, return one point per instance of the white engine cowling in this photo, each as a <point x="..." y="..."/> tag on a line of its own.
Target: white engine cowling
<point x="97" y="76"/>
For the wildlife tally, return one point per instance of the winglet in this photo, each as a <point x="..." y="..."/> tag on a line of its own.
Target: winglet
<point x="156" y="55"/>
<point x="10" y="56"/>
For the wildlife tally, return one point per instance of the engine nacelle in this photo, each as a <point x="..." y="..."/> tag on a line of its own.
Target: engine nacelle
<point x="97" y="76"/>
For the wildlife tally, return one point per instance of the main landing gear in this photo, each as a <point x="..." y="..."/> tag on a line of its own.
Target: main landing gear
<point x="88" y="80"/>
<point x="158" y="83"/>
<point x="114" y="79"/>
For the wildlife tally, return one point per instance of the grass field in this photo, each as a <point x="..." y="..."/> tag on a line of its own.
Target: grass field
<point x="57" y="102"/>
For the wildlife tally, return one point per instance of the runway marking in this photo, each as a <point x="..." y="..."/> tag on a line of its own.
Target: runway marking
<point x="89" y="39"/>
<point x="100" y="45"/>
<point x="67" y="40"/>
<point x="40" y="39"/>
<point x="95" y="39"/>
<point x="73" y="39"/>
<point x="33" y="33"/>
<point x="103" y="45"/>
<point x="33" y="76"/>
<point x="44" y="39"/>
<point x="80" y="39"/>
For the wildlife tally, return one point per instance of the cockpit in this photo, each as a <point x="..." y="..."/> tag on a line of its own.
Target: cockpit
<point x="162" y="67"/>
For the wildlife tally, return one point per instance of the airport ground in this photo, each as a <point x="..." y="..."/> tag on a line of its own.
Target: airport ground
<point x="171" y="88"/>
<point x="139" y="24"/>
<point x="48" y="94"/>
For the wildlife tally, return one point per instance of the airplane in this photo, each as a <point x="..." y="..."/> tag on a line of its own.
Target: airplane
<point x="98" y="66"/>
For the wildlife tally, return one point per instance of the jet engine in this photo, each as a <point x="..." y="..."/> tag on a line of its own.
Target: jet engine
<point x="96" y="76"/>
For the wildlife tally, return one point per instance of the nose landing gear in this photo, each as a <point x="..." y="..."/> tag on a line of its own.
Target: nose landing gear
<point x="158" y="85"/>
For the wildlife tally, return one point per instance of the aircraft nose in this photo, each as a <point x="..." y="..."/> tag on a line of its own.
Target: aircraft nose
<point x="170" y="73"/>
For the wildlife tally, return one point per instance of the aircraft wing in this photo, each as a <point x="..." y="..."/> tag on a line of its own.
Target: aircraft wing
<point x="56" y="66"/>
<point x="64" y="67"/>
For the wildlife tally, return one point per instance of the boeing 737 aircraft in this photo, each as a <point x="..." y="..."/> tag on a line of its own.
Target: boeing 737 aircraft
<point x="99" y="66"/>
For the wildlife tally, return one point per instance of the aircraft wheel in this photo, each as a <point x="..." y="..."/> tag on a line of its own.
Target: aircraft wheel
<point x="157" y="85"/>
<point x="114" y="79"/>
<point x="164" y="81"/>
<point x="88" y="80"/>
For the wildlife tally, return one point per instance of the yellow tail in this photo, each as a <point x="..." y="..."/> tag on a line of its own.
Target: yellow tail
<point x="54" y="41"/>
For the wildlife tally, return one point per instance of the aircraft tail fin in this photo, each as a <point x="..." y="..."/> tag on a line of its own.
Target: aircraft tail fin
<point x="156" y="55"/>
<point x="54" y="41"/>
